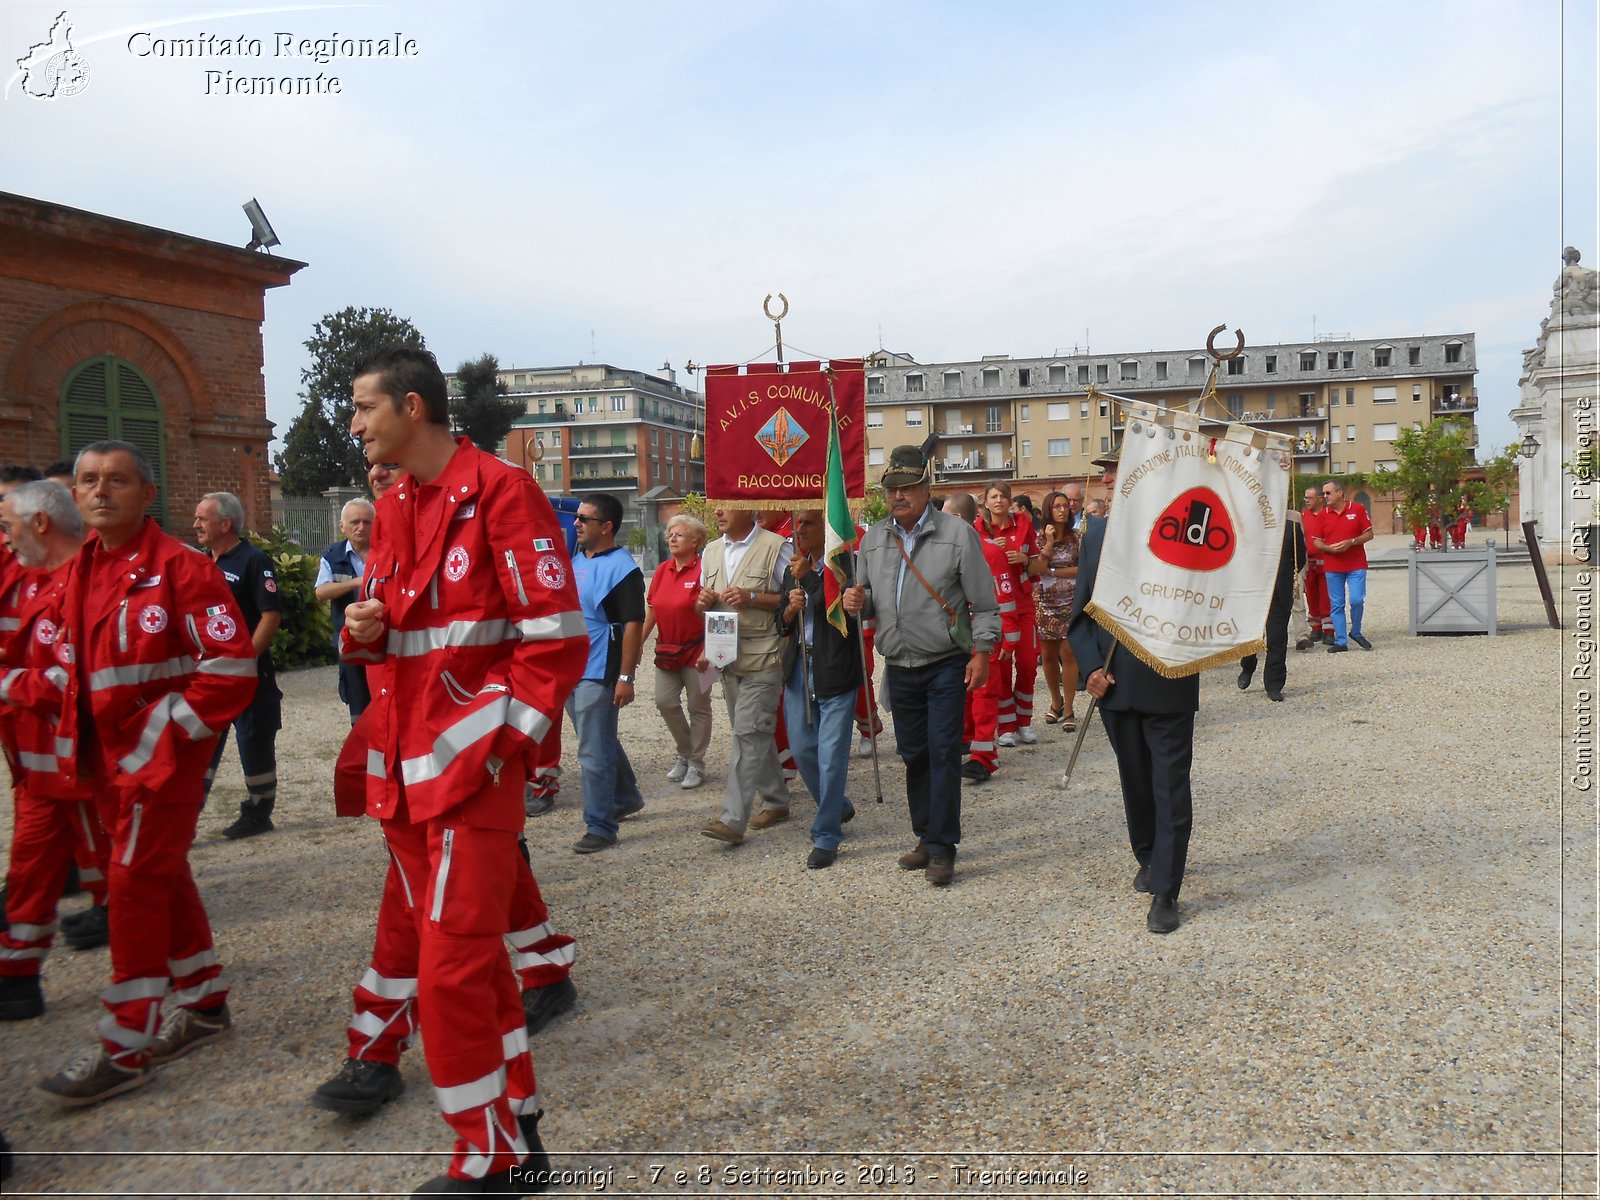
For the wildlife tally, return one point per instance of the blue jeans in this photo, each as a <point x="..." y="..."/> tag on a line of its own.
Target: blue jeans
<point x="822" y="751"/>
<point x="1339" y="582"/>
<point x="608" y="779"/>
<point x="929" y="704"/>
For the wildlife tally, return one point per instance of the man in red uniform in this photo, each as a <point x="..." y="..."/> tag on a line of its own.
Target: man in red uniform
<point x="160" y="661"/>
<point x="1317" y="611"/>
<point x="983" y="706"/>
<point x="1342" y="536"/>
<point x="471" y="628"/>
<point x="54" y="824"/>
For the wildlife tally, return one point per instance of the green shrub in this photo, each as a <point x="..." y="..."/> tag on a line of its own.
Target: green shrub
<point x="305" y="639"/>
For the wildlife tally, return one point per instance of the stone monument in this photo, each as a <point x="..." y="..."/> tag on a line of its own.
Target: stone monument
<point x="1560" y="406"/>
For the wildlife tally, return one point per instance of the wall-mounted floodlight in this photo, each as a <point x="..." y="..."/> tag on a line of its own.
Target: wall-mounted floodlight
<point x="260" y="228"/>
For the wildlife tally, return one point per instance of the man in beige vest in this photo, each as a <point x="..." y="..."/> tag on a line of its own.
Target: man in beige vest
<point x="742" y="572"/>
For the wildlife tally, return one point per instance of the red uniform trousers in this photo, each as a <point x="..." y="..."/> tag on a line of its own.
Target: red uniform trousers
<point x="159" y="928"/>
<point x="47" y="835"/>
<point x="439" y="961"/>
<point x="984" y="707"/>
<point x="1025" y="672"/>
<point x="1318" y="608"/>
<point x="868" y="723"/>
<point x="384" y="1020"/>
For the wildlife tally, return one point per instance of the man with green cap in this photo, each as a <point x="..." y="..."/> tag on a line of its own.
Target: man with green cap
<point x="924" y="578"/>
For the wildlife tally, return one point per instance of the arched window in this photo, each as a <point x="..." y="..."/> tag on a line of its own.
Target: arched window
<point x="105" y="398"/>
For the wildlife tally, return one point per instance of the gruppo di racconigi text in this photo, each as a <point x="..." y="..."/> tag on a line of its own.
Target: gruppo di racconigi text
<point x="318" y="51"/>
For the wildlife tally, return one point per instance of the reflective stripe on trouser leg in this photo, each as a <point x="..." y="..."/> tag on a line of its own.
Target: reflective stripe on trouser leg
<point x="539" y="955"/>
<point x="1025" y="668"/>
<point x="979" y="724"/>
<point x="41" y="849"/>
<point x="467" y="996"/>
<point x="154" y="908"/>
<point x="384" y="1002"/>
<point x="90" y="849"/>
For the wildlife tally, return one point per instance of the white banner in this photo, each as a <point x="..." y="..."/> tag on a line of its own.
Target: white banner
<point x="1192" y="541"/>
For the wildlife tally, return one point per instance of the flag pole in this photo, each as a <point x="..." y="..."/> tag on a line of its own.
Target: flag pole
<point x="794" y="514"/>
<point x="855" y="576"/>
<point x="1088" y="718"/>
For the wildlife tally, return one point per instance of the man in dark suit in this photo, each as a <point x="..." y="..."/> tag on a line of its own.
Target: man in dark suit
<point x="1149" y="721"/>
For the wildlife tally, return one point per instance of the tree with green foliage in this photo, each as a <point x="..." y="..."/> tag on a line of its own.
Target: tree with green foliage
<point x="1430" y="471"/>
<point x="318" y="451"/>
<point x="481" y="411"/>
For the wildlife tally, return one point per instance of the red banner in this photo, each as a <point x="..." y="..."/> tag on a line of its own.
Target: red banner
<point x="767" y="432"/>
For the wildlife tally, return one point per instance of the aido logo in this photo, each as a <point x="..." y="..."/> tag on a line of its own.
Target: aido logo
<point x="1194" y="532"/>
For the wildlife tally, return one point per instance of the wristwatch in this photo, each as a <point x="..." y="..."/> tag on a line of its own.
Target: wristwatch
<point x="624" y="678"/>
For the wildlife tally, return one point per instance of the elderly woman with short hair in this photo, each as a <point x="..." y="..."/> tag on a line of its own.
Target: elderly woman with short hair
<point x="680" y="640"/>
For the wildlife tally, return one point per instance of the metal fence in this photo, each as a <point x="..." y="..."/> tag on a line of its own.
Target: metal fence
<point x="312" y="520"/>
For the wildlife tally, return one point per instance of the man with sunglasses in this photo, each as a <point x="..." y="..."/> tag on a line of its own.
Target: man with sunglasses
<point x="1342" y="535"/>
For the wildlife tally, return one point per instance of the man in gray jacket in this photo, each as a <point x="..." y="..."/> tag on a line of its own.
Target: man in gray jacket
<point x="924" y="578"/>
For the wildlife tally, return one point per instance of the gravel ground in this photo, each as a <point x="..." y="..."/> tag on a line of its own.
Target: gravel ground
<point x="1385" y="981"/>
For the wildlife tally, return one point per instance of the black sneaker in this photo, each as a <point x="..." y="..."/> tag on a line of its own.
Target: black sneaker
<point x="628" y="810"/>
<point x="820" y="859"/>
<point x="91" y="928"/>
<point x="974" y="771"/>
<point x="1244" y="679"/>
<point x="360" y="1088"/>
<point x="247" y="826"/>
<point x="1141" y="879"/>
<point x="1336" y="648"/>
<point x="21" y="998"/>
<point x="541" y="1005"/>
<point x="533" y="1172"/>
<point x="1361" y="641"/>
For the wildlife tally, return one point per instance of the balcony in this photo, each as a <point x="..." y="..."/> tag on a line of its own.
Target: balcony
<point x="576" y="451"/>
<point x="1453" y="403"/>
<point x="976" y="464"/>
<point x="973" y="431"/>
<point x="541" y="418"/>
<point x="604" y="482"/>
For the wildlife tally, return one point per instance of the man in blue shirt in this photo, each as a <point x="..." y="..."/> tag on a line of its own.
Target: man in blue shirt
<point x="339" y="573"/>
<point x="611" y="590"/>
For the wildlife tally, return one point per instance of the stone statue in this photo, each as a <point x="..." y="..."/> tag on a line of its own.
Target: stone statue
<point x="1577" y="289"/>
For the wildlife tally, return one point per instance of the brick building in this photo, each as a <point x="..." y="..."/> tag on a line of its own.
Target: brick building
<point x="113" y="329"/>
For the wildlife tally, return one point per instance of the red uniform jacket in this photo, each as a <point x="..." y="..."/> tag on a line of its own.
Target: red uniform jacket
<point x="163" y="659"/>
<point x="1005" y="594"/>
<point x="1311" y="525"/>
<point x="1019" y="535"/>
<point x="34" y="683"/>
<point x="484" y="638"/>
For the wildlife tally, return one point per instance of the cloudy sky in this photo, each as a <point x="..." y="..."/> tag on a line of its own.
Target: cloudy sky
<point x="624" y="182"/>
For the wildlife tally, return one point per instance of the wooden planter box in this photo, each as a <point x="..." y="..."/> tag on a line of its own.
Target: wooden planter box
<point x="1453" y="592"/>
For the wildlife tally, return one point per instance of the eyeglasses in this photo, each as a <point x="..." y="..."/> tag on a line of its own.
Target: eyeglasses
<point x="588" y="520"/>
<point x="1330" y="493"/>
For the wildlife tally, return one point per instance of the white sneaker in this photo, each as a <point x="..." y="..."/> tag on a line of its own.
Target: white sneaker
<point x="863" y="747"/>
<point x="679" y="766"/>
<point x="1007" y="740"/>
<point x="1027" y="736"/>
<point x="693" y="777"/>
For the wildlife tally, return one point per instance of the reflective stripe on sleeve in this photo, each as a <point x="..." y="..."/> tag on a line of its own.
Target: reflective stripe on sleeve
<point x="135" y="673"/>
<point x="411" y="643"/>
<point x="455" y="740"/>
<point x="528" y="720"/>
<point x="545" y="629"/>
<point x="226" y="666"/>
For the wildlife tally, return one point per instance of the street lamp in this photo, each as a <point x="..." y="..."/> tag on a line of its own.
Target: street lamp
<point x="1529" y="447"/>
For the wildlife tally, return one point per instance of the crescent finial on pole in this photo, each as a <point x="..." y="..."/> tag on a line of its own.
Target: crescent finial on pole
<point x="777" y="321"/>
<point x="1211" y="344"/>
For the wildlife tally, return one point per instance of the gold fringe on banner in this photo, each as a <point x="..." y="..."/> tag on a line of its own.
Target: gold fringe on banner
<point x="1182" y="670"/>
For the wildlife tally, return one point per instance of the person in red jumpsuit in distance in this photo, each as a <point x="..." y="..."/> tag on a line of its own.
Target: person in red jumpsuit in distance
<point x="54" y="823"/>
<point x="160" y="661"/>
<point x="471" y="629"/>
<point x="1015" y="536"/>
<point x="983" y="706"/>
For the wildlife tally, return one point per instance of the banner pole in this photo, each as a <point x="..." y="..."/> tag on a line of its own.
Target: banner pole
<point x="1088" y="719"/>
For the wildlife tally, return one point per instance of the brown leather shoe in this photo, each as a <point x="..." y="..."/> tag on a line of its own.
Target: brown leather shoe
<point x="722" y="833"/>
<point x="914" y="860"/>
<point x="941" y="870"/>
<point x="768" y="817"/>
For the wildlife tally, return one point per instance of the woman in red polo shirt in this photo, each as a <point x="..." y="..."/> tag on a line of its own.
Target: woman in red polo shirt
<point x="1015" y="535"/>
<point x="680" y="639"/>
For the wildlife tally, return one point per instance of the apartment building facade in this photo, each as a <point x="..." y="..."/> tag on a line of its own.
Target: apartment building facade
<point x="598" y="428"/>
<point x="1038" y="421"/>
